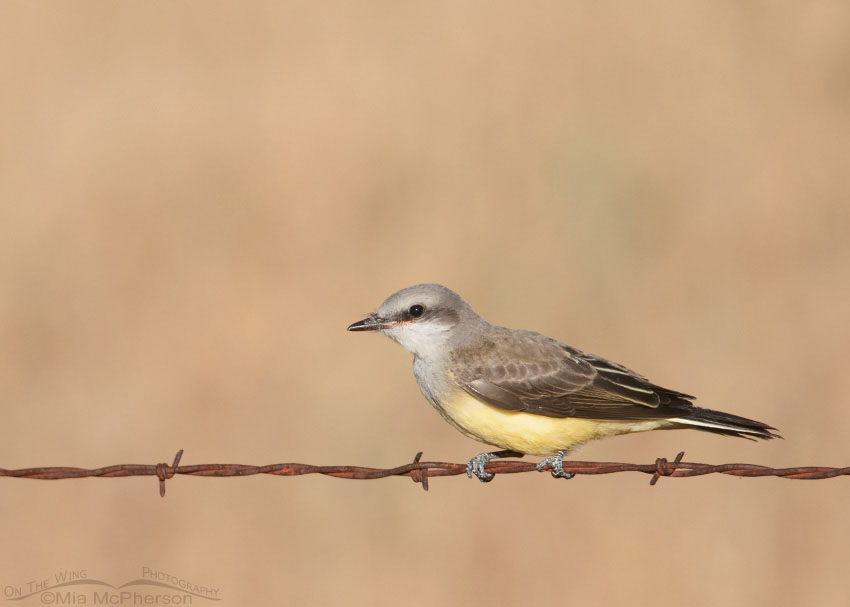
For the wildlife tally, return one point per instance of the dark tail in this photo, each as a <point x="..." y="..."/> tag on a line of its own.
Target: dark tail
<point x="718" y="422"/>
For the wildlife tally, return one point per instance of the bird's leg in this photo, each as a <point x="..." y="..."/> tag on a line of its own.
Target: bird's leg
<point x="476" y="464"/>
<point x="556" y="463"/>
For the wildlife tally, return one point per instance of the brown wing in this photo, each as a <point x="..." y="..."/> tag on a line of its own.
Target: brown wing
<point x="526" y="371"/>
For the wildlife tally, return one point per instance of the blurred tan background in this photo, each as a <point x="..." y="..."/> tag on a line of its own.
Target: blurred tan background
<point x="197" y="198"/>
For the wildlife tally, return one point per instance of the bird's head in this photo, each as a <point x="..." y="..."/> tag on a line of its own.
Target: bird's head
<point x="423" y="319"/>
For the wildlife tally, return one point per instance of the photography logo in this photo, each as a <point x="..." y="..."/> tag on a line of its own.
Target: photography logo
<point x="76" y="587"/>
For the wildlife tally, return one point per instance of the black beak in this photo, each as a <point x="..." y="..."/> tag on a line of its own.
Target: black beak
<point x="371" y="323"/>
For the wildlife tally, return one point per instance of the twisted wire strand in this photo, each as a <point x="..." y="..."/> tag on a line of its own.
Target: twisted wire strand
<point x="420" y="471"/>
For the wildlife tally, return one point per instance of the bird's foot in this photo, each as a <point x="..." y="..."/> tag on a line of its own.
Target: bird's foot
<point x="476" y="464"/>
<point x="556" y="464"/>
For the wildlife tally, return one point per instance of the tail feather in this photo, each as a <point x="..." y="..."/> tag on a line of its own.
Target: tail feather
<point x="718" y="422"/>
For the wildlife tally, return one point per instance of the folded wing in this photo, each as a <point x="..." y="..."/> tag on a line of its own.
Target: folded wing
<point x="529" y="372"/>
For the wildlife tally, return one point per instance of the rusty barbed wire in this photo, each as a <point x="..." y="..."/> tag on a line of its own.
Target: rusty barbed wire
<point x="420" y="471"/>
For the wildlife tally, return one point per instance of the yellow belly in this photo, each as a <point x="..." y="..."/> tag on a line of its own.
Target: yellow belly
<point x="532" y="434"/>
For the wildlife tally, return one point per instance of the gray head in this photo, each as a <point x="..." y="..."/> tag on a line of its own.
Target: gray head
<point x="423" y="319"/>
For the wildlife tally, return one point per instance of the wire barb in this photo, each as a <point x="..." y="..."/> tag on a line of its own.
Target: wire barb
<point x="164" y="472"/>
<point x="662" y="467"/>
<point x="419" y="475"/>
<point x="420" y="472"/>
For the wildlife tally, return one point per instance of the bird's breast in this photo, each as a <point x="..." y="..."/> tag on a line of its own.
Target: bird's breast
<point x="525" y="432"/>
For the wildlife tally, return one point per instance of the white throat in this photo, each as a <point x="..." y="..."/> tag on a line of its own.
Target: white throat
<point x="423" y="340"/>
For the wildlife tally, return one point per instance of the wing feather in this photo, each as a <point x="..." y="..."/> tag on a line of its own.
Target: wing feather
<point x="527" y="371"/>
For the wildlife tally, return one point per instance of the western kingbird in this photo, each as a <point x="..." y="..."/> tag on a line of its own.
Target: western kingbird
<point x="525" y="392"/>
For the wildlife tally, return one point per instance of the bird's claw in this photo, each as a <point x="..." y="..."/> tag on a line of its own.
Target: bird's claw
<point x="556" y="464"/>
<point x="476" y="467"/>
<point x="476" y="464"/>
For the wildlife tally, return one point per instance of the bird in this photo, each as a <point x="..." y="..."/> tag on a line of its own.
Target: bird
<point x="527" y="393"/>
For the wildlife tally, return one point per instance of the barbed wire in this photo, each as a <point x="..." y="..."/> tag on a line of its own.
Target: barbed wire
<point x="420" y="471"/>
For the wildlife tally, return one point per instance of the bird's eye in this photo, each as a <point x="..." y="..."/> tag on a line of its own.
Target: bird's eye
<point x="416" y="311"/>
